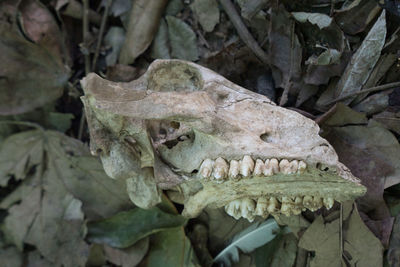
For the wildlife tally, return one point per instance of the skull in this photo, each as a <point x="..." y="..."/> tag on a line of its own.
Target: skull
<point x="183" y="127"/>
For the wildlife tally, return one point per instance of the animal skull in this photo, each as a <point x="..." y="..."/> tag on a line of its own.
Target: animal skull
<point x="183" y="126"/>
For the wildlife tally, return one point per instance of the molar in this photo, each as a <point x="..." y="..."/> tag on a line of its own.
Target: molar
<point x="206" y="168"/>
<point x="287" y="206"/>
<point x="312" y="203"/>
<point x="233" y="208"/>
<point x="259" y="168"/>
<point x="233" y="169"/>
<point x="220" y="169"/>
<point x="284" y="166"/>
<point x="246" y="166"/>
<point x="302" y="167"/>
<point x="247" y="208"/>
<point x="307" y="201"/>
<point x="293" y="166"/>
<point x="328" y="202"/>
<point x="274" y="163"/>
<point x="273" y="205"/>
<point x="261" y="208"/>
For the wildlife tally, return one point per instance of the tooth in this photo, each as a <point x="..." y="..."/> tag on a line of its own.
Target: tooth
<point x="261" y="208"/>
<point x="302" y="167"/>
<point x="274" y="163"/>
<point x="273" y="205"/>
<point x="328" y="202"/>
<point x="233" y="208"/>
<point x="247" y="166"/>
<point x="206" y="168"/>
<point x="307" y="201"/>
<point x="284" y="166"/>
<point x="268" y="169"/>
<point x="298" y="201"/>
<point x="259" y="168"/>
<point x="317" y="203"/>
<point x="220" y="169"/>
<point x="285" y="209"/>
<point x="247" y="208"/>
<point x="293" y="166"/>
<point x="233" y="169"/>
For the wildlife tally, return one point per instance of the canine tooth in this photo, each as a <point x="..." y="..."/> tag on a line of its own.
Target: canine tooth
<point x="247" y="208"/>
<point x="328" y="202"/>
<point x="259" y="168"/>
<point x="261" y="208"/>
<point x="220" y="169"/>
<point x="233" y="169"/>
<point x="284" y="166"/>
<point x="247" y="166"/>
<point x="206" y="168"/>
<point x="273" y="205"/>
<point x="274" y="163"/>
<point x="302" y="167"/>
<point x="293" y="166"/>
<point x="233" y="208"/>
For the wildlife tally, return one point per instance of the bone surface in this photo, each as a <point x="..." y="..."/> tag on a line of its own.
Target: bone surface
<point x="187" y="120"/>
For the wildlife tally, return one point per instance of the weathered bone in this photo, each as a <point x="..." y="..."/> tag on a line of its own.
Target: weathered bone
<point x="182" y="125"/>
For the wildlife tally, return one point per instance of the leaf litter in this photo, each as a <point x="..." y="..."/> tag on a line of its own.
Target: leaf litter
<point x="53" y="192"/>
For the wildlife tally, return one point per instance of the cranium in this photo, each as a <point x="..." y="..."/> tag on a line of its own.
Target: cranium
<point x="183" y="126"/>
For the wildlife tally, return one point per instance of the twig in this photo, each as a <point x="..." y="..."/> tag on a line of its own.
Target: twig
<point x="87" y="59"/>
<point x="369" y="90"/>
<point x="101" y="33"/>
<point x="243" y="32"/>
<point x="85" y="26"/>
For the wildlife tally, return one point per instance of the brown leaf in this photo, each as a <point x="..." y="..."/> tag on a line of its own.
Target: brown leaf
<point x="355" y="17"/>
<point x="391" y="120"/>
<point x="285" y="50"/>
<point x="143" y="25"/>
<point x="29" y="75"/>
<point x="41" y="27"/>
<point x="127" y="257"/>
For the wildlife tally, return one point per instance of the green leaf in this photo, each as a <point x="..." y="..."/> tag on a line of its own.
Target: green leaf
<point x="126" y="228"/>
<point x="182" y="39"/>
<point x="171" y="248"/>
<point x="160" y="46"/>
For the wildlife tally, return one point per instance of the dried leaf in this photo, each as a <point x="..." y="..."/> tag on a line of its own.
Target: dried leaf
<point x="10" y="257"/>
<point x="182" y="39"/>
<point x="374" y="103"/>
<point x="126" y="228"/>
<point x="363" y="61"/>
<point x="114" y="38"/>
<point x="390" y="119"/>
<point x="207" y="12"/>
<point x="30" y="75"/>
<point x="279" y="252"/>
<point x="127" y="257"/>
<point x="143" y="25"/>
<point x="360" y="246"/>
<point x="40" y="26"/>
<point x="393" y="253"/>
<point x="284" y="49"/>
<point x="355" y="18"/>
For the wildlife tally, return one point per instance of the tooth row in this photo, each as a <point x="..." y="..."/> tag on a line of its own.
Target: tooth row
<point x="263" y="206"/>
<point x="220" y="169"/>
